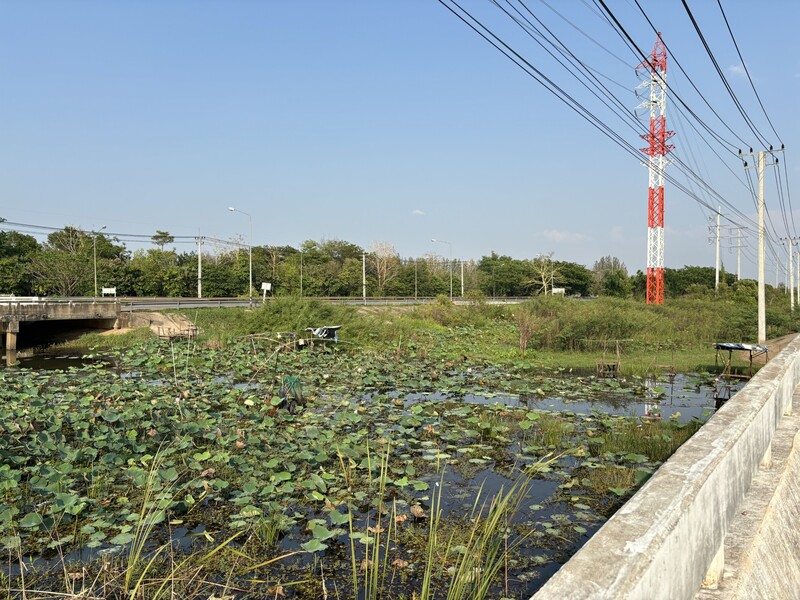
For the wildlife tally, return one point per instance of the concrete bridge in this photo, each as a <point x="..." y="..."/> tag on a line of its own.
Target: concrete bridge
<point x="719" y="520"/>
<point x="17" y="313"/>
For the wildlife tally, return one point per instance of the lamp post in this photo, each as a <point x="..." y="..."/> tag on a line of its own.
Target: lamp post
<point x="249" y="249"/>
<point x="450" y="263"/>
<point x="94" y="252"/>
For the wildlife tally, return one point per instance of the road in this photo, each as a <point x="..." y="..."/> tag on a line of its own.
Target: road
<point x="131" y="304"/>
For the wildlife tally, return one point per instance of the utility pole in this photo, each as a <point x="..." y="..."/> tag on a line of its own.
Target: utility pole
<point x="739" y="253"/>
<point x="415" y="278"/>
<point x="797" y="256"/>
<point x="791" y="275"/>
<point x="462" y="277"/>
<point x="364" y="277"/>
<point x="94" y="251"/>
<point x="249" y="251"/>
<point x="199" y="266"/>
<point x="761" y="161"/>
<point x="716" y="272"/>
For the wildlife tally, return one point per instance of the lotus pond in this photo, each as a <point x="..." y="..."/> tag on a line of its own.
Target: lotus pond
<point x="174" y="469"/>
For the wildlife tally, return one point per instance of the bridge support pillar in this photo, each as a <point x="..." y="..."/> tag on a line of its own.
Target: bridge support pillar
<point x="8" y="338"/>
<point x="10" y="329"/>
<point x="714" y="575"/>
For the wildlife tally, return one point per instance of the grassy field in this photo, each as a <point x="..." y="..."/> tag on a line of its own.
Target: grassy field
<point x="546" y="332"/>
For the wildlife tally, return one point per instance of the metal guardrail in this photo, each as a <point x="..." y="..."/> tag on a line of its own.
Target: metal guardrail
<point x="129" y="304"/>
<point x="49" y="300"/>
<point x="160" y="303"/>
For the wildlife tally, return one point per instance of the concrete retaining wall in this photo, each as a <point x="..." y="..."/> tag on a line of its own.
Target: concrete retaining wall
<point x="670" y="535"/>
<point x="762" y="548"/>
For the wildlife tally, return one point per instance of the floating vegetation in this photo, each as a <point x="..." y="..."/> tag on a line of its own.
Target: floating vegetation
<point x="180" y="471"/>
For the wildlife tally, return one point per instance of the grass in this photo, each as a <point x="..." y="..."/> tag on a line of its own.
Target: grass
<point x="547" y="332"/>
<point x="464" y="556"/>
<point x="608" y="477"/>
<point x="655" y="439"/>
<point x="98" y="341"/>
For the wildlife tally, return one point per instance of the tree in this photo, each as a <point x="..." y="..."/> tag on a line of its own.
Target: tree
<point x="574" y="278"/>
<point x="162" y="238"/>
<point x="545" y="273"/>
<point x="69" y="240"/>
<point x="611" y="278"/>
<point x="13" y="243"/>
<point x="60" y="273"/>
<point x="503" y="275"/>
<point x="158" y="273"/>
<point x="386" y="262"/>
<point x="16" y="252"/>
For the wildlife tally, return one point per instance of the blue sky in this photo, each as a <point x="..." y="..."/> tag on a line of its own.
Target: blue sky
<point x="379" y="120"/>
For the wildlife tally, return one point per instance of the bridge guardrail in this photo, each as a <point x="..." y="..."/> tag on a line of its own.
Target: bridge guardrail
<point x="15" y="304"/>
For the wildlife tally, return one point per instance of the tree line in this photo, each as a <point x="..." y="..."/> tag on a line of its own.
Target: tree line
<point x="72" y="262"/>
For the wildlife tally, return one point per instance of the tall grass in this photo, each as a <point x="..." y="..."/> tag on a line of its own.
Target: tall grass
<point x="465" y="562"/>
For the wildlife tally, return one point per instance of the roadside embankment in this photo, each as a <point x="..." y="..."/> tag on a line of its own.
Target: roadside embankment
<point x="163" y="325"/>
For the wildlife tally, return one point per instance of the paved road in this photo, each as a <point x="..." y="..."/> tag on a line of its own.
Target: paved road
<point x="129" y="304"/>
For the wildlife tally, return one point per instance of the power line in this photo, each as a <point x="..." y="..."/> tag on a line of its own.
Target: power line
<point x="43" y="230"/>
<point x="725" y="82"/>
<point x="747" y="72"/>
<point x="490" y="37"/>
<point x="673" y="94"/>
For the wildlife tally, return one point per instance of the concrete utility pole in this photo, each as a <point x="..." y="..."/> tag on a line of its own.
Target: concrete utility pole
<point x="415" y="278"/>
<point x="797" y="256"/>
<point x="716" y="272"/>
<point x="94" y="251"/>
<point x="364" y="276"/>
<point x="739" y="254"/>
<point x="199" y="266"/>
<point x="462" y="278"/>
<point x="791" y="275"/>
<point x="761" y="161"/>
<point x="249" y="250"/>
<point x="450" y="263"/>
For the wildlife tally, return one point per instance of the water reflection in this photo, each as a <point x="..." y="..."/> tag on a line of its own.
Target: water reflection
<point x="27" y="359"/>
<point x="680" y="396"/>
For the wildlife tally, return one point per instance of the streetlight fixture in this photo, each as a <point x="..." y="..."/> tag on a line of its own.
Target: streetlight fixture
<point x="450" y="264"/>
<point x="94" y="252"/>
<point x="249" y="249"/>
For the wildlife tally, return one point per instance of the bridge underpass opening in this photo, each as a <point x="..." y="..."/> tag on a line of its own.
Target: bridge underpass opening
<point x="41" y="334"/>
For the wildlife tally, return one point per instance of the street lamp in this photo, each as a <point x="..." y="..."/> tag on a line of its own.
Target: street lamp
<point x="249" y="249"/>
<point x="450" y="264"/>
<point x="94" y="252"/>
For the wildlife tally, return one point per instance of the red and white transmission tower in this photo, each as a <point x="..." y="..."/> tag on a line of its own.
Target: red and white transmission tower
<point x="653" y="73"/>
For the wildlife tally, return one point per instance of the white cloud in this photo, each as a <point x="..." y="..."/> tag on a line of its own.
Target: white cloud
<point x="564" y="236"/>
<point x="737" y="70"/>
<point x="417" y="211"/>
